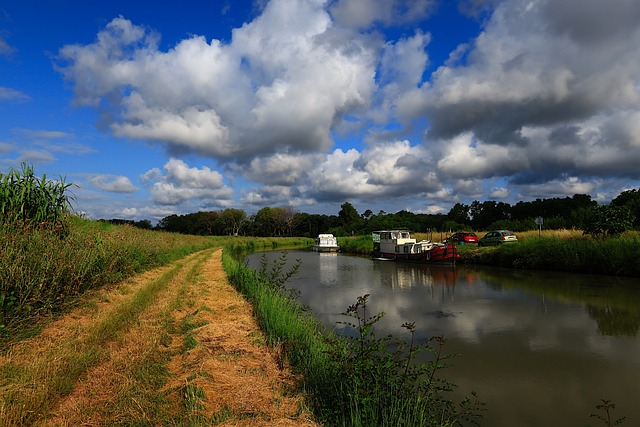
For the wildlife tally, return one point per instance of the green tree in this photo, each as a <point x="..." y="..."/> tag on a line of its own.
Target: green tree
<point x="608" y="220"/>
<point x="486" y="213"/>
<point x="631" y="200"/>
<point x="459" y="213"/>
<point x="265" y="222"/>
<point x="233" y="220"/>
<point x="349" y="217"/>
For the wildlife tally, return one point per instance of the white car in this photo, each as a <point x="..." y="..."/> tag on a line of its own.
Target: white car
<point x="497" y="237"/>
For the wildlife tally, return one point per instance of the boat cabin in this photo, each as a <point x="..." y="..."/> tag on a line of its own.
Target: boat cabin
<point x="326" y="243"/>
<point x="398" y="242"/>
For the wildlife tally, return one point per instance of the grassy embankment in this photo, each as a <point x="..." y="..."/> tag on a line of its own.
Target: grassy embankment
<point x="563" y="250"/>
<point x="120" y="328"/>
<point x="560" y="250"/>
<point x="355" y="381"/>
<point x="41" y="270"/>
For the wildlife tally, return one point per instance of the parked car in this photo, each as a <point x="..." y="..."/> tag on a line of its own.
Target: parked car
<point x="497" y="237"/>
<point x="463" y="237"/>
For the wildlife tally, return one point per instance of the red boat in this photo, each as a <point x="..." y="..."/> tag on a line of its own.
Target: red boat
<point x="398" y="245"/>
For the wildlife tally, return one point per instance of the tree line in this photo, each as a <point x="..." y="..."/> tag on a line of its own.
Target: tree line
<point x="577" y="212"/>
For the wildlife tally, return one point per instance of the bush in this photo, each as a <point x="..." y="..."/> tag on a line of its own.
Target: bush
<point x="609" y="221"/>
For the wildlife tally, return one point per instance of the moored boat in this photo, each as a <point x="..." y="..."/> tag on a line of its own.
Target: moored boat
<point x="325" y="243"/>
<point x="398" y="245"/>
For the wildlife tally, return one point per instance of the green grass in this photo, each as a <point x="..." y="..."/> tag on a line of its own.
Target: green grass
<point x="356" y="244"/>
<point x="611" y="256"/>
<point x="40" y="271"/>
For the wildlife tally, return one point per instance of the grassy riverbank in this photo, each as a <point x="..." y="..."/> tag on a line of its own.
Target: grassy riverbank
<point x="558" y="250"/>
<point x="562" y="251"/>
<point x="42" y="270"/>
<point x="356" y="381"/>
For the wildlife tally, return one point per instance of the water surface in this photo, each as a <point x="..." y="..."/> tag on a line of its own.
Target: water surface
<point x="540" y="348"/>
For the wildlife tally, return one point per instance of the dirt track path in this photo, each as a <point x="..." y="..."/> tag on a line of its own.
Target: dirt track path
<point x="174" y="346"/>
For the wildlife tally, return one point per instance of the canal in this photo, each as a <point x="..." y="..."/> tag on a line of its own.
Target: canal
<point x="539" y="348"/>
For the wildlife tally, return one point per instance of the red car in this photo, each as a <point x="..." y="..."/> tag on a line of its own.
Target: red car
<point x="463" y="237"/>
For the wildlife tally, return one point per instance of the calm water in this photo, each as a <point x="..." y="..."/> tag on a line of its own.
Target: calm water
<point x="540" y="348"/>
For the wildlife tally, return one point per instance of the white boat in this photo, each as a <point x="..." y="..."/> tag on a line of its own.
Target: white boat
<point x="398" y="245"/>
<point x="325" y="243"/>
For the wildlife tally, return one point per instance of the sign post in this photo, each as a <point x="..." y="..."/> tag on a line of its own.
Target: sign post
<point x="539" y="221"/>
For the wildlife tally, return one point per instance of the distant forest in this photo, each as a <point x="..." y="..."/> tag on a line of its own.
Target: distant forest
<point x="576" y="212"/>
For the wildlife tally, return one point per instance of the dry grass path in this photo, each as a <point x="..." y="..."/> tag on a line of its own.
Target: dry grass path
<point x="174" y="346"/>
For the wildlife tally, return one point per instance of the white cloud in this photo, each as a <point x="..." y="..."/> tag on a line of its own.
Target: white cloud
<point x="466" y="157"/>
<point x="562" y="187"/>
<point x="499" y="193"/>
<point x="398" y="164"/>
<point x="338" y="177"/>
<point x="280" y="85"/>
<point x="279" y="168"/>
<point x="44" y="134"/>
<point x="6" y="147"/>
<point x="180" y="184"/>
<point x="8" y="94"/>
<point x="35" y="156"/>
<point x="546" y="91"/>
<point x="112" y="183"/>
<point x="524" y="70"/>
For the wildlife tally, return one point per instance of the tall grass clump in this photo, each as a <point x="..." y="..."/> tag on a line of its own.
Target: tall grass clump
<point x="583" y="254"/>
<point x="380" y="382"/>
<point x="28" y="199"/>
<point x="358" y="381"/>
<point x="356" y="244"/>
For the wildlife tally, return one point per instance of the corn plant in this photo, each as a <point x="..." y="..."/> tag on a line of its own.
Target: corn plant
<point x="28" y="199"/>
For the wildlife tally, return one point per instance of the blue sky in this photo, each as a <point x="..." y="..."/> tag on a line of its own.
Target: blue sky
<point x="163" y="107"/>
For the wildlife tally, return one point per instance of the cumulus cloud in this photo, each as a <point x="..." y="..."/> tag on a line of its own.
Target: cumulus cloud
<point x="398" y="164"/>
<point x="279" y="85"/>
<point x="112" y="183"/>
<point x="544" y="101"/>
<point x="179" y="183"/>
<point x="561" y="187"/>
<point x="279" y="168"/>
<point x="548" y="89"/>
<point x="364" y="13"/>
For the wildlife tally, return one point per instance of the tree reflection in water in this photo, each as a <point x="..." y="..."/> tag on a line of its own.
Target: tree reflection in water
<point x="614" y="321"/>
